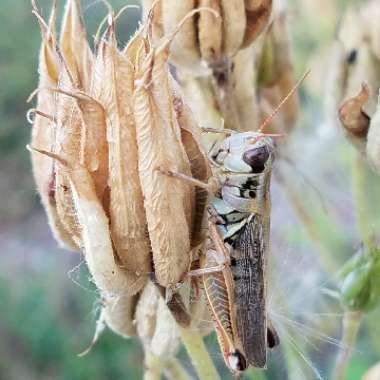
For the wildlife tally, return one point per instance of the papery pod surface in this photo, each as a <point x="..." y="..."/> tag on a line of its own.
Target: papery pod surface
<point x="168" y="203"/>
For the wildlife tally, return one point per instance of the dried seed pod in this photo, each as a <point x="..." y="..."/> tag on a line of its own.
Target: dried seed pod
<point x="184" y="46"/>
<point x="109" y="278"/>
<point x="68" y="145"/>
<point x="243" y="88"/>
<point x="119" y="314"/>
<point x="373" y="140"/>
<point x="126" y="209"/>
<point x="354" y="120"/>
<point x="156" y="17"/>
<point x="43" y="133"/>
<point x="234" y="25"/>
<point x="155" y="325"/>
<point x="74" y="46"/>
<point x="258" y="13"/>
<point x="168" y="203"/>
<point x="210" y="31"/>
<point x="370" y="13"/>
<point x="76" y="59"/>
<point x="199" y="164"/>
<point x="276" y="75"/>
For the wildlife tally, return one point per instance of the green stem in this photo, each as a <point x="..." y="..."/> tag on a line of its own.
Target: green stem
<point x="255" y="374"/>
<point x="351" y="325"/>
<point x="175" y="371"/>
<point x="199" y="355"/>
<point x="359" y="187"/>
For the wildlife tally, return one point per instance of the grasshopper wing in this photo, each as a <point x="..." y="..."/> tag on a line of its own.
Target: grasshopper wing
<point x="248" y="266"/>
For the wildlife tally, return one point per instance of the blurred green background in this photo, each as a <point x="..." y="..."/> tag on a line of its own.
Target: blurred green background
<point x="48" y="307"/>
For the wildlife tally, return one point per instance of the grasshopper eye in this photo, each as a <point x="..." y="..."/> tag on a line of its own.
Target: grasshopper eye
<point x="256" y="158"/>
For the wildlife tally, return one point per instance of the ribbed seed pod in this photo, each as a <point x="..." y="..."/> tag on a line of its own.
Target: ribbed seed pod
<point x="210" y="38"/>
<point x="168" y="203"/>
<point x="43" y="132"/>
<point x="234" y="25"/>
<point x="74" y="46"/>
<point x="76" y="59"/>
<point x="126" y="209"/>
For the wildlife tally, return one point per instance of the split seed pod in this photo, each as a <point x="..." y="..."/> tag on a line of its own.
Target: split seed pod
<point x="115" y="75"/>
<point x="43" y="133"/>
<point x="168" y="204"/>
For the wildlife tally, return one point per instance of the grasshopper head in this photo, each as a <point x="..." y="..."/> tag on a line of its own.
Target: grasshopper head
<point x="244" y="153"/>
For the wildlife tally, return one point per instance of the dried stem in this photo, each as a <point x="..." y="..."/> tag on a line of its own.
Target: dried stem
<point x="351" y="325"/>
<point x="199" y="355"/>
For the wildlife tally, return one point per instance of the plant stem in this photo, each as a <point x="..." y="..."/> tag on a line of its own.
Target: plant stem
<point x="255" y="374"/>
<point x="351" y="325"/>
<point x="199" y="355"/>
<point x="359" y="187"/>
<point x="153" y="367"/>
<point x="175" y="371"/>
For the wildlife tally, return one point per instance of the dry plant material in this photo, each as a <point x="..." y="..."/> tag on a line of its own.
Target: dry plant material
<point x="119" y="314"/>
<point x="373" y="140"/>
<point x="126" y="209"/>
<point x="109" y="278"/>
<point x="155" y="325"/>
<point x="276" y="75"/>
<point x="169" y="206"/>
<point x="358" y="62"/>
<point x="43" y="132"/>
<point x="210" y="38"/>
<point x="354" y="119"/>
<point x="74" y="46"/>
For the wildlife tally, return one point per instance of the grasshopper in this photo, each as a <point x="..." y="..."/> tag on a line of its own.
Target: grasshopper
<point x="234" y="264"/>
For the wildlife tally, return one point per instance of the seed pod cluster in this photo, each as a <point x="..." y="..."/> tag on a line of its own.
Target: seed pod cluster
<point x="210" y="37"/>
<point x="356" y="78"/>
<point x="107" y="124"/>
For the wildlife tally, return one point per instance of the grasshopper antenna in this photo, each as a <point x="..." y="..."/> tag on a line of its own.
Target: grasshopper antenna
<point x="287" y="97"/>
